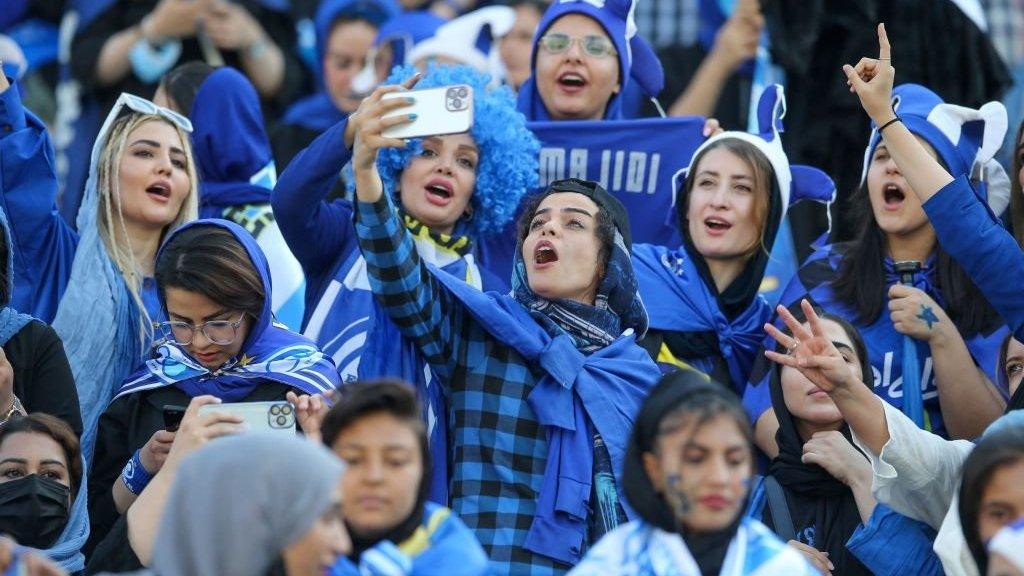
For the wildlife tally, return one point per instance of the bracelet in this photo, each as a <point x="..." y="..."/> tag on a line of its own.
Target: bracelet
<point x="16" y="408"/>
<point x="135" y="476"/>
<point x="890" y="123"/>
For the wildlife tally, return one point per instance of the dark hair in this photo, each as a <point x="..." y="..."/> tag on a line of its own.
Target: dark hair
<point x="389" y="396"/>
<point x="56" y="429"/>
<point x="860" y="280"/>
<point x="1016" y="193"/>
<point x="997" y="449"/>
<point x="182" y="83"/>
<point x="209" y="260"/>
<point x="539" y="5"/>
<point x="605" y="226"/>
<point x="685" y="394"/>
<point x="763" y="174"/>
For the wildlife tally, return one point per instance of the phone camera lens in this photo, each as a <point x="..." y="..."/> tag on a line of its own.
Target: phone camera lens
<point x="275" y="410"/>
<point x="282" y="421"/>
<point x="462" y="93"/>
<point x="286" y="409"/>
<point x="457" y="104"/>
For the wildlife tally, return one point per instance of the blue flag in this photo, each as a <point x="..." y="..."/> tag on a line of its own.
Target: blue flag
<point x="636" y="160"/>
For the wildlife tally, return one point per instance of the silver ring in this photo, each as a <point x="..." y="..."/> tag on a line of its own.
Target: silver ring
<point x="793" y="348"/>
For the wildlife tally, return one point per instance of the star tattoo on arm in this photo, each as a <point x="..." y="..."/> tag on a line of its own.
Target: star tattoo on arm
<point x="928" y="316"/>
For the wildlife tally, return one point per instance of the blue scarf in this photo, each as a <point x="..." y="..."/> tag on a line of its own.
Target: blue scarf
<point x="270" y="352"/>
<point x="231" y="149"/>
<point x="97" y="318"/>
<point x="11" y="321"/>
<point x="579" y="393"/>
<point x="679" y="300"/>
<point x="353" y="329"/>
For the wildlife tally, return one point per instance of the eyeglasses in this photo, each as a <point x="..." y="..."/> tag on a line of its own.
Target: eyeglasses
<point x="221" y="332"/>
<point x="143" y="106"/>
<point x="596" y="46"/>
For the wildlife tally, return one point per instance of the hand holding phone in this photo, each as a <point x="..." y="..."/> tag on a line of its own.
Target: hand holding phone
<point x="439" y="111"/>
<point x="277" y="416"/>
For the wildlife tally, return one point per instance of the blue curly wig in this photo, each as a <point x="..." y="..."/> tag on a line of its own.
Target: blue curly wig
<point x="508" y="150"/>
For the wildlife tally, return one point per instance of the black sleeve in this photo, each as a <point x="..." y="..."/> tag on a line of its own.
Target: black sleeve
<point x="42" y="377"/>
<point x="90" y="39"/>
<point x="280" y="28"/>
<point x="112" y="451"/>
<point x="114" y="554"/>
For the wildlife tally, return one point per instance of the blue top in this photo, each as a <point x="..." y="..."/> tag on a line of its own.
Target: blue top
<point x="975" y="238"/>
<point x="521" y="402"/>
<point x="441" y="545"/>
<point x="884" y="343"/>
<point x="890" y="544"/>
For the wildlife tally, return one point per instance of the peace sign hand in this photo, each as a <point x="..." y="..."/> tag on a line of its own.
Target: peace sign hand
<point x="810" y="351"/>
<point x="872" y="79"/>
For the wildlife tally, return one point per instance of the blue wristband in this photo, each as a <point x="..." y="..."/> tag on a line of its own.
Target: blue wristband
<point x="135" y="476"/>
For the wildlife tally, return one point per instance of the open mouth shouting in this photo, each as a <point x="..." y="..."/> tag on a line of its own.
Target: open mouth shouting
<point x="439" y="192"/>
<point x="544" y="255"/>
<point x="159" y="191"/>
<point x="572" y="82"/>
<point x="716" y="226"/>
<point x="893" y="195"/>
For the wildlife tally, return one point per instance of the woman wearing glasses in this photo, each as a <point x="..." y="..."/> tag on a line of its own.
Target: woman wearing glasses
<point x="220" y="340"/>
<point x="94" y="284"/>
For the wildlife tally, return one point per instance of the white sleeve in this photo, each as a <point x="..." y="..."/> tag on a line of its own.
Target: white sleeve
<point x="918" y="472"/>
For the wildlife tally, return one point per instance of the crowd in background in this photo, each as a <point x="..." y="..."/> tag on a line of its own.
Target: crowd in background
<point x="707" y="287"/>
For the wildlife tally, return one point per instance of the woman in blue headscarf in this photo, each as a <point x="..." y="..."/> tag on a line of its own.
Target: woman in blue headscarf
<point x="345" y="34"/>
<point x="235" y="167"/>
<point x="451" y="190"/>
<point x="936" y="313"/>
<point x="95" y="284"/>
<point x="221" y="340"/>
<point x="703" y="297"/>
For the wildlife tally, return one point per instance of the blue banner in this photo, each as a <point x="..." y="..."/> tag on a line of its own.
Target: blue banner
<point x="636" y="160"/>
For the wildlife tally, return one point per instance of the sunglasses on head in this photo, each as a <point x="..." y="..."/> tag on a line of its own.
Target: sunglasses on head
<point x="143" y="106"/>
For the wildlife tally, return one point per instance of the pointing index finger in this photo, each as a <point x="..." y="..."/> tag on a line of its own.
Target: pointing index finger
<point x="883" y="44"/>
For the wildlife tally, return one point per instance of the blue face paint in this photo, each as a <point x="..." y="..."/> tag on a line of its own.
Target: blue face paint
<point x="676" y="496"/>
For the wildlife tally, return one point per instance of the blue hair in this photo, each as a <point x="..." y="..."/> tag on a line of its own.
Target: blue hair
<point x="508" y="149"/>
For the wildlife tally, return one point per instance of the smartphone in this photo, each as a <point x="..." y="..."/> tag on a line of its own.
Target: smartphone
<point x="277" y="416"/>
<point x="439" y="111"/>
<point x="172" y="416"/>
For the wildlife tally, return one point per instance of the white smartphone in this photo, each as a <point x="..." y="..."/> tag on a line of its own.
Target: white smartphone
<point x="278" y="416"/>
<point x="439" y="111"/>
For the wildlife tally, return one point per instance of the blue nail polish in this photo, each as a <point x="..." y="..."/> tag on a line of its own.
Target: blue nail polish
<point x="413" y="116"/>
<point x="410" y="100"/>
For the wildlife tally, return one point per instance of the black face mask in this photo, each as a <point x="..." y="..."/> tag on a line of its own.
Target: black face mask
<point x="34" y="510"/>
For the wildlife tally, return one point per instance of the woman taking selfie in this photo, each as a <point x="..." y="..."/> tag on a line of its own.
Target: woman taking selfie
<point x="377" y="428"/>
<point x="95" y="284"/>
<point x="527" y="377"/>
<point x="220" y="340"/>
<point x="687" y="473"/>
<point x="703" y="296"/>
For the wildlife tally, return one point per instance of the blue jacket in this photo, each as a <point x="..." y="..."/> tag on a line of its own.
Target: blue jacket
<point x="43" y="243"/>
<point x="889" y="544"/>
<point x="991" y="257"/>
<point x="441" y="545"/>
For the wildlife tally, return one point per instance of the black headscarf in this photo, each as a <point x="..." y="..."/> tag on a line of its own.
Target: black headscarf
<point x="674" y="389"/>
<point x="814" y="497"/>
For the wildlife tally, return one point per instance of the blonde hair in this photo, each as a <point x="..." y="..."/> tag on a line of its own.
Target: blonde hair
<point x="110" y="217"/>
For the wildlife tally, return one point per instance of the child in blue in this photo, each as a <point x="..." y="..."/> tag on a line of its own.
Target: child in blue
<point x="235" y="167"/>
<point x="956" y="332"/>
<point x="818" y="489"/>
<point x="703" y="296"/>
<point x="94" y="284"/>
<point x="377" y="429"/>
<point x="687" y="473"/>
<point x="451" y="190"/>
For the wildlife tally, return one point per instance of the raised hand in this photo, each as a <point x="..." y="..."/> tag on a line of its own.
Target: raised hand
<point x="810" y="351"/>
<point x="872" y="79"/>
<point x="367" y="122"/>
<point x="197" y="429"/>
<point x="310" y="412"/>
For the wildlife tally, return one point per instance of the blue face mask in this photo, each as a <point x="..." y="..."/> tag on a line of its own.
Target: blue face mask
<point x="151" y="62"/>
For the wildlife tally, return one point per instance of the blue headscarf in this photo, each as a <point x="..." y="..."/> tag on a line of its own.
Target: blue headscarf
<point x="637" y="61"/>
<point x="270" y="352"/>
<point x="318" y="112"/>
<point x="230" y="146"/>
<point x="98" y="319"/>
<point x="11" y="321"/>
